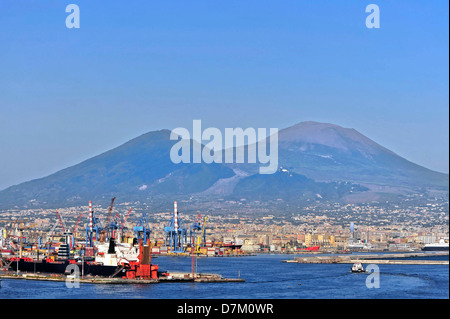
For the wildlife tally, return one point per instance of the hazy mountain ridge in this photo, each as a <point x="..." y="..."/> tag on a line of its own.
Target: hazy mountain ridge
<point x="316" y="160"/>
<point x="329" y="152"/>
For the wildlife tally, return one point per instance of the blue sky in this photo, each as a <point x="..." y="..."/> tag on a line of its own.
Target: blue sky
<point x="137" y="66"/>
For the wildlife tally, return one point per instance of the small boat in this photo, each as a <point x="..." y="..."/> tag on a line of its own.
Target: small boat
<point x="357" y="267"/>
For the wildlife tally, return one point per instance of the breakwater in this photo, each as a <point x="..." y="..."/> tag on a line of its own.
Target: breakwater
<point x="392" y="258"/>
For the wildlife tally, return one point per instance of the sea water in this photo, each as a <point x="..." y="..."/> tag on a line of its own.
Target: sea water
<point x="266" y="277"/>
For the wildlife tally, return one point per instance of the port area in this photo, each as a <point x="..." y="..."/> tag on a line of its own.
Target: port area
<point x="392" y="258"/>
<point x="166" y="278"/>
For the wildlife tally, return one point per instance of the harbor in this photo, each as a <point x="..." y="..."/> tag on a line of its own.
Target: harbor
<point x="108" y="256"/>
<point x="109" y="252"/>
<point x="318" y="281"/>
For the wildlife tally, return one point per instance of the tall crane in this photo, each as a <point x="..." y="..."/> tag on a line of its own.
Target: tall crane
<point x="8" y="232"/>
<point x="73" y="234"/>
<point x="21" y="228"/>
<point x="175" y="233"/>
<point x="203" y="235"/>
<point x="93" y="226"/>
<point x="108" y="218"/>
<point x="76" y="224"/>
<point x="61" y="221"/>
<point x="193" y="229"/>
<point x="123" y="223"/>
<point x="109" y="227"/>
<point x="142" y="229"/>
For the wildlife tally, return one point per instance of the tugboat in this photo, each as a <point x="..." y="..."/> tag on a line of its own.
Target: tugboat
<point x="357" y="267"/>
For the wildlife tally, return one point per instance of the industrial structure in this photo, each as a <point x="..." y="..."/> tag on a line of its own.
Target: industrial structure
<point x="142" y="229"/>
<point x="106" y="247"/>
<point x="203" y="235"/>
<point x="196" y="226"/>
<point x="93" y="226"/>
<point x="176" y="233"/>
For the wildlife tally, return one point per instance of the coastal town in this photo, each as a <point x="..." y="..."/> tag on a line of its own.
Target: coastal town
<point x="317" y="227"/>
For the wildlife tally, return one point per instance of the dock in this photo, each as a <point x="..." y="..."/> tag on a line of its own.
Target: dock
<point x="392" y="259"/>
<point x="174" y="277"/>
<point x="89" y="280"/>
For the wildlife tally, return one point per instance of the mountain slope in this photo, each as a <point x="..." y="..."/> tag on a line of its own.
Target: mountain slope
<point x="291" y="187"/>
<point x="317" y="160"/>
<point x="329" y="152"/>
<point x="132" y="171"/>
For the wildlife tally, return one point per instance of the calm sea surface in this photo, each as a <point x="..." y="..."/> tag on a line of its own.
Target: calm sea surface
<point x="266" y="277"/>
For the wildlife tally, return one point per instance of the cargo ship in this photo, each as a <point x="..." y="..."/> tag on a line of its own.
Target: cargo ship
<point x="50" y="266"/>
<point x="232" y="245"/>
<point x="119" y="261"/>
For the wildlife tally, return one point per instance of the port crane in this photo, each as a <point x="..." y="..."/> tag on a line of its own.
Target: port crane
<point x="9" y="231"/>
<point x="142" y="229"/>
<point x="72" y="234"/>
<point x="196" y="226"/>
<point x="61" y="222"/>
<point x="203" y="235"/>
<point x="93" y="226"/>
<point x="21" y="227"/>
<point x="175" y="232"/>
<point x="8" y="235"/>
<point x="76" y="224"/>
<point x="110" y="226"/>
<point x="69" y="240"/>
<point x="123" y="223"/>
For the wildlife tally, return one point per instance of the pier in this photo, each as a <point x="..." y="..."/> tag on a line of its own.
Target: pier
<point x="180" y="277"/>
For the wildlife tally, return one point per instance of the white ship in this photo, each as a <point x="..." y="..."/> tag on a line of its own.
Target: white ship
<point x="440" y="246"/>
<point x="123" y="254"/>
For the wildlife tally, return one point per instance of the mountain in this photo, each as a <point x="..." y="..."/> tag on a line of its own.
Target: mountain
<point x="132" y="171"/>
<point x="328" y="152"/>
<point x="317" y="161"/>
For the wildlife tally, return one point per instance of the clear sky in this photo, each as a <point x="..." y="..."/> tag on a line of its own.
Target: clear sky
<point x="137" y="66"/>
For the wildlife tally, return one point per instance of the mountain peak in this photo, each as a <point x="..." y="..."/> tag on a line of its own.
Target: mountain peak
<point x="330" y="135"/>
<point x="327" y="151"/>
